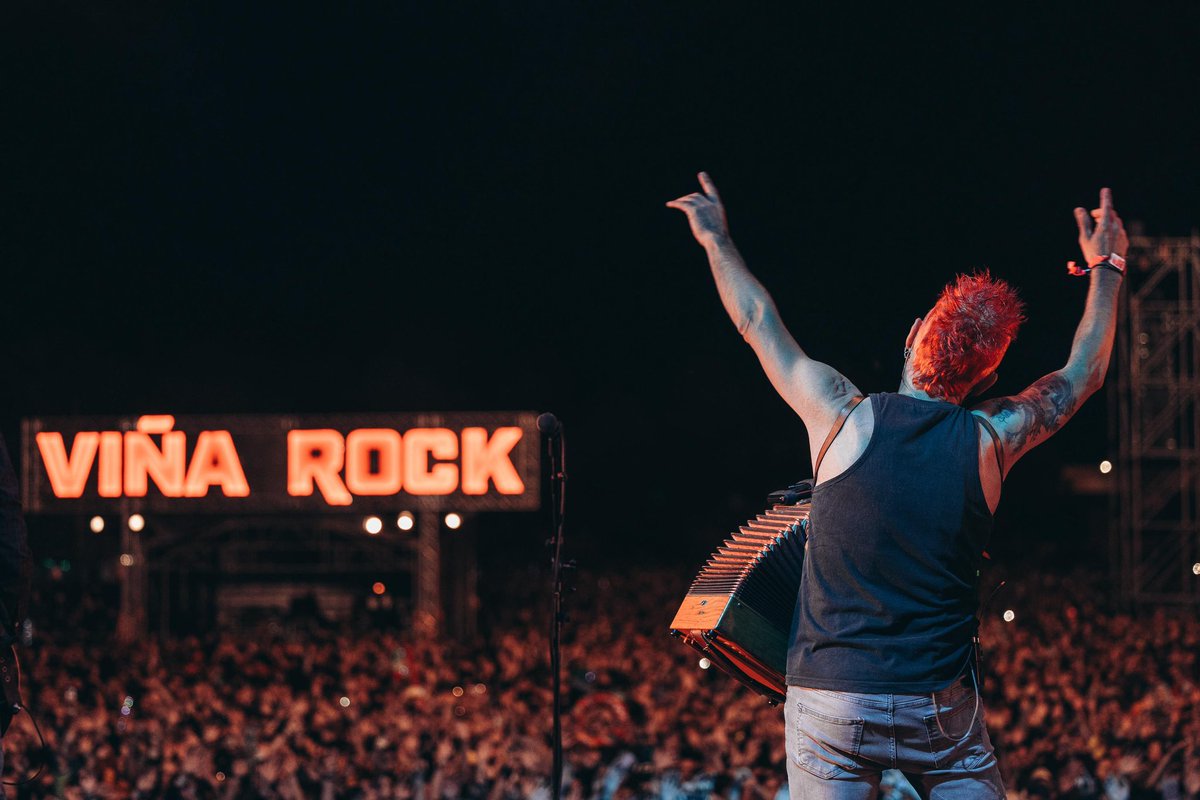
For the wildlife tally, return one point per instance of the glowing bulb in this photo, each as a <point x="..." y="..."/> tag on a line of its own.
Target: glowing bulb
<point x="96" y="524"/>
<point x="126" y="560"/>
<point x="136" y="522"/>
<point x="705" y="663"/>
<point x="457" y="691"/>
<point x="1009" y="616"/>
<point x="372" y="525"/>
<point x="344" y="702"/>
<point x="1105" y="467"/>
<point x="453" y="521"/>
<point x="1196" y="568"/>
<point x="378" y="587"/>
<point x="405" y="521"/>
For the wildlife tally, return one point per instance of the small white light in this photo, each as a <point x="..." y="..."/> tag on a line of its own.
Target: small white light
<point x="126" y="560"/>
<point x="136" y="522"/>
<point x="1196" y="568"/>
<point x="705" y="663"/>
<point x="372" y="525"/>
<point x="1009" y="616"/>
<point x="405" y="521"/>
<point x="96" y="524"/>
<point x="1105" y="467"/>
<point x="453" y="521"/>
<point x="344" y="702"/>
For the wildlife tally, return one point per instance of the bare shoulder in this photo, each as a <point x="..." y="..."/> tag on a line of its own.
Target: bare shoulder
<point x="1025" y="420"/>
<point x="821" y="393"/>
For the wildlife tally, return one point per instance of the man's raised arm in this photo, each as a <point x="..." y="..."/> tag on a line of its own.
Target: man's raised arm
<point x="1033" y="416"/>
<point x="816" y="391"/>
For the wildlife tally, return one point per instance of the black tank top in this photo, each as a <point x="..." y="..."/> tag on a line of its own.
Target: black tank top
<point x="888" y="599"/>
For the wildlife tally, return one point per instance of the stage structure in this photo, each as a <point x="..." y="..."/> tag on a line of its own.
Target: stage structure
<point x="202" y="502"/>
<point x="1154" y="423"/>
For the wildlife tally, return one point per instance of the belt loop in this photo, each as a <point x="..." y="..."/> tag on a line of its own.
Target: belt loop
<point x="892" y="725"/>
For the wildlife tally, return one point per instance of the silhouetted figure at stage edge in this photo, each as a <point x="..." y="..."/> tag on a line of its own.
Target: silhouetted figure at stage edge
<point x="15" y="572"/>
<point x="881" y="671"/>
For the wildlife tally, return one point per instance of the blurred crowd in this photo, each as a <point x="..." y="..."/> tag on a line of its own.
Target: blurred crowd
<point x="1080" y="702"/>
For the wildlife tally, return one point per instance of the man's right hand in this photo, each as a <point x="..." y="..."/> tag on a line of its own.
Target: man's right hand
<point x="705" y="212"/>
<point x="1102" y="233"/>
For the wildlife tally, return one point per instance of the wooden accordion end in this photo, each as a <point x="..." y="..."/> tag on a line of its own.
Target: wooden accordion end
<point x="738" y="611"/>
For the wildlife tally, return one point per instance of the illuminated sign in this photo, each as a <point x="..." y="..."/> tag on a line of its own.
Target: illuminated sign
<point x="263" y="464"/>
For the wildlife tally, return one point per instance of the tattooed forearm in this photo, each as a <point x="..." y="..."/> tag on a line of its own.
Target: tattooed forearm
<point x="1035" y="413"/>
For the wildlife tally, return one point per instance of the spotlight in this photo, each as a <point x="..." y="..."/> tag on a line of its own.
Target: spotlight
<point x="1105" y="467"/>
<point x="1009" y="616"/>
<point x="1196" y="568"/>
<point x="373" y="525"/>
<point x="453" y="521"/>
<point x="705" y="663"/>
<point x="344" y="702"/>
<point x="96" y="524"/>
<point x="136" y="522"/>
<point x="378" y="587"/>
<point x="126" y="560"/>
<point x="405" y="521"/>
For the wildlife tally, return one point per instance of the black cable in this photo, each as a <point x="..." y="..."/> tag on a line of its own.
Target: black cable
<point x="42" y="739"/>
<point x="978" y="643"/>
<point x="558" y="497"/>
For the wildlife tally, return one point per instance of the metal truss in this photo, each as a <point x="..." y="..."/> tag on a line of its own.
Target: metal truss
<point x="1154" y="411"/>
<point x="314" y="549"/>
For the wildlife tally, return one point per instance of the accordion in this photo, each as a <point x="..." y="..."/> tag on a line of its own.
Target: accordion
<point x="738" y="611"/>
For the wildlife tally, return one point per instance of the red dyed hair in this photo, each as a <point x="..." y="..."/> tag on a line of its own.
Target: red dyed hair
<point x="966" y="334"/>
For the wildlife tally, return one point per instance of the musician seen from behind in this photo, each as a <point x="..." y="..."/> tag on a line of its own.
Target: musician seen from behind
<point x="881" y="671"/>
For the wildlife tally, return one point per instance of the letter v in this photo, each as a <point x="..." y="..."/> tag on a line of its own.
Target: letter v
<point x="68" y="474"/>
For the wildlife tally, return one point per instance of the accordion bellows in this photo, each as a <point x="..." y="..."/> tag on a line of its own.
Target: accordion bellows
<point x="738" y="611"/>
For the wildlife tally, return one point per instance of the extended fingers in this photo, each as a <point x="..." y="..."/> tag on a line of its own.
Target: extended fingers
<point x="687" y="201"/>
<point x="1084" y="223"/>
<point x="710" y="188"/>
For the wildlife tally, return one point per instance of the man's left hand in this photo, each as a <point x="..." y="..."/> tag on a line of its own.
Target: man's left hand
<point x="705" y="212"/>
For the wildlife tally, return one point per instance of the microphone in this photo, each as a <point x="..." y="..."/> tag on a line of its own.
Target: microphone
<point x="548" y="424"/>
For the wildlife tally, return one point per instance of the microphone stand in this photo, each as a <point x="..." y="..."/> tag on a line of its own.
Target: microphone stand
<point x="556" y="450"/>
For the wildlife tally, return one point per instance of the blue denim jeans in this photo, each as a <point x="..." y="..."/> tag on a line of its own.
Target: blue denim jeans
<point x="839" y="743"/>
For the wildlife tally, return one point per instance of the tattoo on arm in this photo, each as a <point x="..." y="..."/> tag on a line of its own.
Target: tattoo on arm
<point x="1036" y="413"/>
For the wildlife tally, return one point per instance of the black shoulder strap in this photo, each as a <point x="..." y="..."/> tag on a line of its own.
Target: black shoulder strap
<point x="997" y="447"/>
<point x="843" y="415"/>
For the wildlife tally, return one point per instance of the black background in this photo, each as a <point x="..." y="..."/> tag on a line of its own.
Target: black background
<point x="246" y="207"/>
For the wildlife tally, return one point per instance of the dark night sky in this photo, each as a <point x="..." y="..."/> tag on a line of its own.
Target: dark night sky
<point x="227" y="207"/>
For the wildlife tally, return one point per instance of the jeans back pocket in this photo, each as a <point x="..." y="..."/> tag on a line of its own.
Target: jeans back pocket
<point x="955" y="735"/>
<point x="827" y="746"/>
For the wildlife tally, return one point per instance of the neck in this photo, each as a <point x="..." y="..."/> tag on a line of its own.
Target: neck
<point x="908" y="390"/>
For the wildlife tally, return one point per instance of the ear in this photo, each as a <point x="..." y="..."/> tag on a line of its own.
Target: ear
<point x="912" y="333"/>
<point x="984" y="383"/>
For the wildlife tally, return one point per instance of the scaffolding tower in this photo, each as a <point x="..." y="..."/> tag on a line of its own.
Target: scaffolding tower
<point x="1155" y="421"/>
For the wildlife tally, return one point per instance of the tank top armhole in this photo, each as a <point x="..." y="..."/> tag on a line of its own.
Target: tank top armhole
<point x="997" y="451"/>
<point x="997" y="446"/>
<point x="875" y="403"/>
